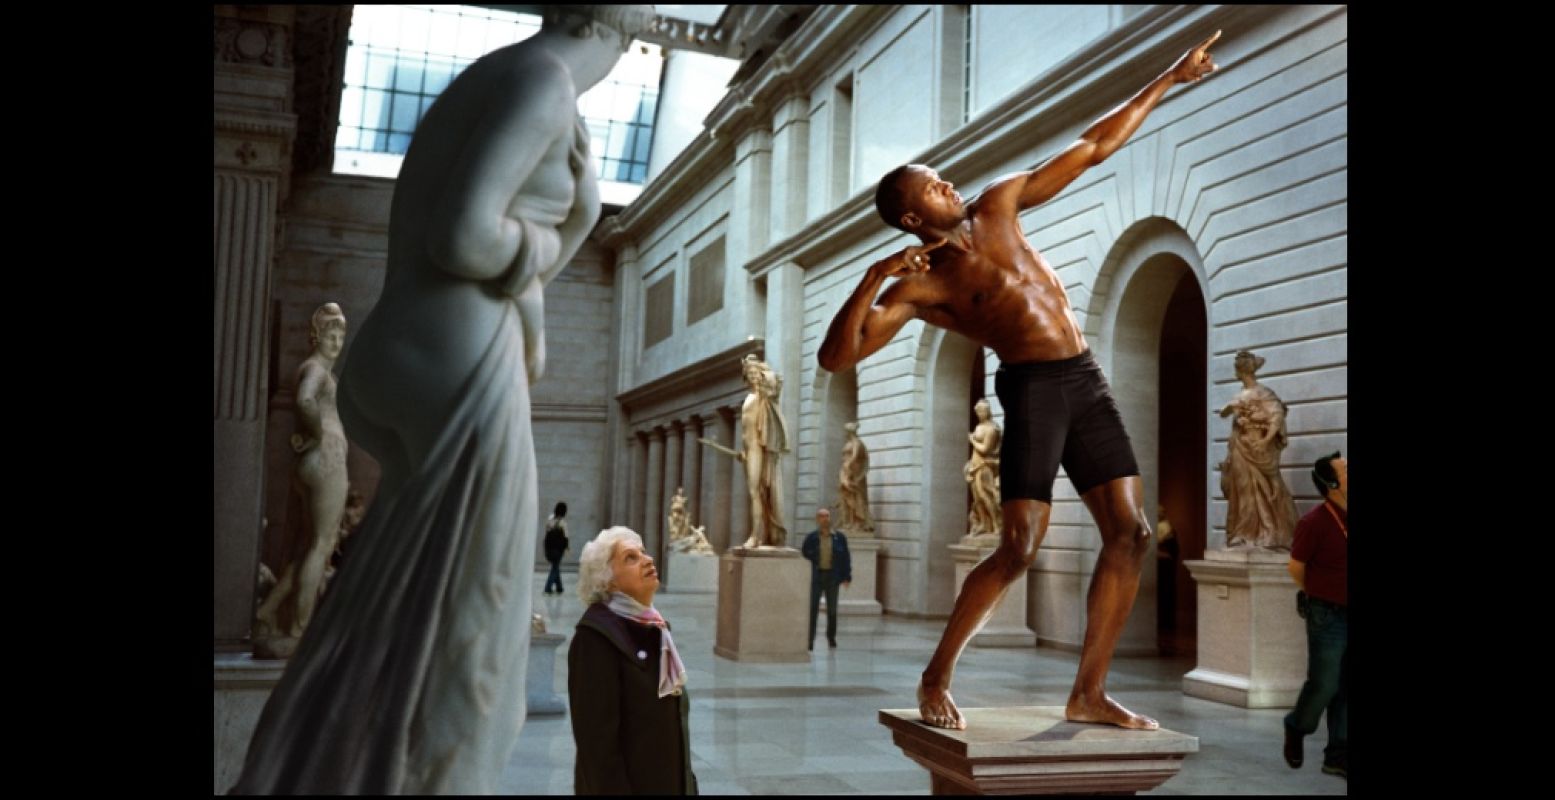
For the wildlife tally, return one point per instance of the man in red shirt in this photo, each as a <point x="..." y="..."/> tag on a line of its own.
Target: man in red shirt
<point x="1319" y="559"/>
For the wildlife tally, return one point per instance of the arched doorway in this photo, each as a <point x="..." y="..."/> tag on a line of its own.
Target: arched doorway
<point x="841" y="398"/>
<point x="1182" y="464"/>
<point x="1167" y="431"/>
<point x="952" y="362"/>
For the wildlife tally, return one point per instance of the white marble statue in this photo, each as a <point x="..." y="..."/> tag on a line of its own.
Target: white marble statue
<point x="320" y="442"/>
<point x="764" y="440"/>
<point x="685" y="537"/>
<point x="853" y="515"/>
<point x="679" y="520"/>
<point x="356" y="508"/>
<point x="984" y="520"/>
<point x="411" y="678"/>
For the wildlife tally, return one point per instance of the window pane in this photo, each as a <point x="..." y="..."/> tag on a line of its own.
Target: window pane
<point x="403" y="118"/>
<point x="407" y="76"/>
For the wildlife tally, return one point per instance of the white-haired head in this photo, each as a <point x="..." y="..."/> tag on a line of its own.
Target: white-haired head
<point x="594" y="570"/>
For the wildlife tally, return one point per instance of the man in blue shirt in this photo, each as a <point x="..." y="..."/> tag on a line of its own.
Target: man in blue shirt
<point x="830" y="565"/>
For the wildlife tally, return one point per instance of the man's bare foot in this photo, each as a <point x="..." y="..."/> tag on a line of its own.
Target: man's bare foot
<point x="1107" y="712"/>
<point x="937" y="709"/>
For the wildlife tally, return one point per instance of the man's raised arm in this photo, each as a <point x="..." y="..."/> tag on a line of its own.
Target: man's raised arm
<point x="862" y="327"/>
<point x="1107" y="134"/>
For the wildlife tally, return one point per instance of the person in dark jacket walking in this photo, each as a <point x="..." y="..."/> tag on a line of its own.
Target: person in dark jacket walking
<point x="556" y="546"/>
<point x="830" y="565"/>
<point x="626" y="684"/>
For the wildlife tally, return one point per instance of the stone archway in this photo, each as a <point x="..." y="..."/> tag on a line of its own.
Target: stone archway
<point x="1153" y="263"/>
<point x="839" y="407"/>
<point x="948" y="388"/>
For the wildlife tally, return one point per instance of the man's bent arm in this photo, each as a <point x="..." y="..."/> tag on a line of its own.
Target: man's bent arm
<point x="862" y="327"/>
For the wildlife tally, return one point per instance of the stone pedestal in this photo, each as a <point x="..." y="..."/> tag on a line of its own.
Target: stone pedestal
<point x="1252" y="644"/>
<point x="540" y="698"/>
<point x="1007" y="627"/>
<point x="1033" y="750"/>
<point x="243" y="684"/>
<point x="692" y="573"/>
<point x="857" y="599"/>
<point x="763" y="601"/>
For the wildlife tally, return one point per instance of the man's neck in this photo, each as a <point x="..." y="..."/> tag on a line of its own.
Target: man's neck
<point x="1339" y="500"/>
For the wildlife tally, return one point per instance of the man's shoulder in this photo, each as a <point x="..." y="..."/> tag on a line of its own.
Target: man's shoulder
<point x="1000" y="196"/>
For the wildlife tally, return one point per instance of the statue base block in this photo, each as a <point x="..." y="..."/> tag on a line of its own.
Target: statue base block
<point x="1007" y="626"/>
<point x="1252" y="644"/>
<point x="243" y="684"/>
<point x="858" y="598"/>
<point x="1034" y="750"/>
<point x="763" y="597"/>
<point x="692" y="573"/>
<point x="540" y="698"/>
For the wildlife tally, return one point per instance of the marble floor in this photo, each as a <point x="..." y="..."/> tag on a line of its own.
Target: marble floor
<point x="812" y="728"/>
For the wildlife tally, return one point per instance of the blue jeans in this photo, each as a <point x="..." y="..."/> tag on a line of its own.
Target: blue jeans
<point x="825" y="581"/>
<point x="1327" y="686"/>
<point x="555" y="577"/>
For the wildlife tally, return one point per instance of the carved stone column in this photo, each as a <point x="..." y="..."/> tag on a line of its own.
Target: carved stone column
<point x="691" y="468"/>
<point x="254" y="131"/>
<point x="653" y="516"/>
<point x="672" y="467"/>
<point x="790" y="159"/>
<point x="638" y="445"/>
<point x="717" y="474"/>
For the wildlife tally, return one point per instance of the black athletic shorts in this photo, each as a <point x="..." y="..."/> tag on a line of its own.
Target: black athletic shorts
<point x="1059" y="412"/>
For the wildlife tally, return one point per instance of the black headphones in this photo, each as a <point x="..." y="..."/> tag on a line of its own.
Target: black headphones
<point x="1323" y="483"/>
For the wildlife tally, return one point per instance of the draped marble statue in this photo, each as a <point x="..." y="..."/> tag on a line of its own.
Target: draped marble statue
<point x="411" y="678"/>
<point x="1260" y="510"/>
<point x="853" y="515"/>
<point x="763" y="440"/>
<point x="320" y="442"/>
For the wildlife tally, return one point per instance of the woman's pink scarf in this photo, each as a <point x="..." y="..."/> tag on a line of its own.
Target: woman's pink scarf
<point x="672" y="672"/>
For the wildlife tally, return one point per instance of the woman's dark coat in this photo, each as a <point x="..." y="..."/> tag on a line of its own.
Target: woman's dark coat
<point x="630" y="741"/>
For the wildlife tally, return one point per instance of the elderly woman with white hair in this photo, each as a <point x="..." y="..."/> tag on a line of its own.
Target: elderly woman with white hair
<point x="625" y="680"/>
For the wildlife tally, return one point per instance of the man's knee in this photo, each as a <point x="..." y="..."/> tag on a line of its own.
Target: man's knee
<point x="1022" y="537"/>
<point x="1128" y="537"/>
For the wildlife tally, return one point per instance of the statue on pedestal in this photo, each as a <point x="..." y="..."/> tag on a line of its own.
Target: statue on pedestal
<point x="411" y="679"/>
<point x="1261" y="511"/>
<point x="982" y="477"/>
<point x="972" y="271"/>
<point x="763" y="441"/>
<point x="853" y="486"/>
<point x="320" y="442"/>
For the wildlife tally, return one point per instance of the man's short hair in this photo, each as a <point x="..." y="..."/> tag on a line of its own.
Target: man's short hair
<point x="890" y="201"/>
<point x="1324" y="476"/>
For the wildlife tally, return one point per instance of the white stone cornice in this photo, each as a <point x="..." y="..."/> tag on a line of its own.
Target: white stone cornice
<point x="1125" y="56"/>
<point x="568" y="412"/>
<point x="689" y="379"/>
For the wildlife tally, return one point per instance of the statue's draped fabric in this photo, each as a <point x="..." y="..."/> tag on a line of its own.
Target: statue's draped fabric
<point x="1261" y="510"/>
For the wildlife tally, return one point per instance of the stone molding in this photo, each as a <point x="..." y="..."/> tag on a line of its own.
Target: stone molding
<point x="240" y="41"/>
